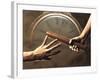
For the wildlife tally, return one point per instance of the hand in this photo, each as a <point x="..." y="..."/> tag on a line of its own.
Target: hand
<point x="42" y="50"/>
<point x="73" y="47"/>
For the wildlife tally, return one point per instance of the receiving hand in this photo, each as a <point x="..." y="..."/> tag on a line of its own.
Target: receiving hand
<point x="42" y="50"/>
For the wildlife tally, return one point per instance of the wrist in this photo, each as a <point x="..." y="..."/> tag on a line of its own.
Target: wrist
<point x="28" y="55"/>
<point x="81" y="36"/>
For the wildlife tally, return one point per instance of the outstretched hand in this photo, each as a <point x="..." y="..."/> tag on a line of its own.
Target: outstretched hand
<point x="41" y="51"/>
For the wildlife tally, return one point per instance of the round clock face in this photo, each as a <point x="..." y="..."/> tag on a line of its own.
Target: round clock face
<point x="55" y="22"/>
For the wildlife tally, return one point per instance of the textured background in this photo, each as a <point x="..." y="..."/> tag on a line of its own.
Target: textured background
<point x="63" y="59"/>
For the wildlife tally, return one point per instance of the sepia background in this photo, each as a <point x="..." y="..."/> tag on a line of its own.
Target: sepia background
<point x="65" y="58"/>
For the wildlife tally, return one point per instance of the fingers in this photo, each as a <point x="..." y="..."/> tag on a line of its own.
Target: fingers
<point x="70" y="47"/>
<point x="54" y="46"/>
<point x="51" y="43"/>
<point x="74" y="39"/>
<point x="70" y="41"/>
<point x="74" y="48"/>
<point x="45" y="39"/>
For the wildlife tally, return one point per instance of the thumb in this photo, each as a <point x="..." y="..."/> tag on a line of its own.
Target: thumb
<point x="70" y="41"/>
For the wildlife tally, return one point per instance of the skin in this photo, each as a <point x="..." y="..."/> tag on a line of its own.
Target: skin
<point x="41" y="51"/>
<point x="81" y="36"/>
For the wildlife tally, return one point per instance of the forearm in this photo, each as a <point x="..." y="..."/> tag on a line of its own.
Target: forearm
<point x="86" y="29"/>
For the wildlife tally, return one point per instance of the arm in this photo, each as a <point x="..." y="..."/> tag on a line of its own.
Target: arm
<point x="80" y="37"/>
<point x="86" y="29"/>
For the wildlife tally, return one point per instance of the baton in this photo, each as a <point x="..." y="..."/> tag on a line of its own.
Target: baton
<point x="65" y="39"/>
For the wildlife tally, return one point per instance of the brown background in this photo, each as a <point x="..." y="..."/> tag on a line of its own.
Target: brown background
<point x="60" y="60"/>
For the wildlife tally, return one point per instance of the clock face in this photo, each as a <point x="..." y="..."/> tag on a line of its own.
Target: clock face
<point x="55" y="22"/>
